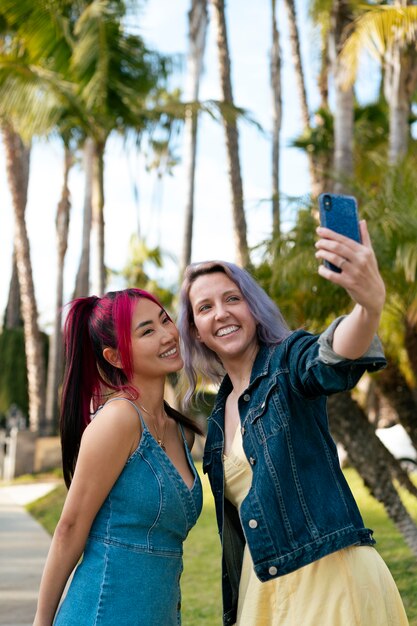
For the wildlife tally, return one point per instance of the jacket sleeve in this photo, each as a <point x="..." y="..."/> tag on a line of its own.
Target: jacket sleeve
<point x="315" y="369"/>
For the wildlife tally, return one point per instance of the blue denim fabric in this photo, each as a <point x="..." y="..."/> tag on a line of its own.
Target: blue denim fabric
<point x="132" y="563"/>
<point x="299" y="507"/>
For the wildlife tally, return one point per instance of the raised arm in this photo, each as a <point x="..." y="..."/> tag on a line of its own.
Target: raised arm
<point x="361" y="278"/>
<point x="105" y="447"/>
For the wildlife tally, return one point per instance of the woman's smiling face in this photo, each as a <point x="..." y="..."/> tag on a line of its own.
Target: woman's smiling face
<point x="222" y="317"/>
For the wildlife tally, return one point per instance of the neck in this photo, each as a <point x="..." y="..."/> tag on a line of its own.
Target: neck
<point x="151" y="396"/>
<point x="239" y="370"/>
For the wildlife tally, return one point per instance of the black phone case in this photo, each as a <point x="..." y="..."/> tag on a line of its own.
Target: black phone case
<point x="339" y="213"/>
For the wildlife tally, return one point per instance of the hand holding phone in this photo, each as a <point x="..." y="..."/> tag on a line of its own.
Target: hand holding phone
<point x="340" y="214"/>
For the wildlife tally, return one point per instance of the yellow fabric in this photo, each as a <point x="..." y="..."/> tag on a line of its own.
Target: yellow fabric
<point x="351" y="587"/>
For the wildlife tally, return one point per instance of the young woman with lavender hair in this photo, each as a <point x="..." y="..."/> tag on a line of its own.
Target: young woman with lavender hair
<point x="295" y="548"/>
<point x="134" y="492"/>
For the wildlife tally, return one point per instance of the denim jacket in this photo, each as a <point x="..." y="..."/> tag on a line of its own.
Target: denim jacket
<point x="299" y="507"/>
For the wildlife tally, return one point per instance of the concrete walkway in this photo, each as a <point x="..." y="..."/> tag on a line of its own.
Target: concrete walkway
<point x="24" y="545"/>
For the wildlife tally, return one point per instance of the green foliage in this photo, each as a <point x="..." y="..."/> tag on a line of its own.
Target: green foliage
<point x="13" y="375"/>
<point x="80" y="62"/>
<point x="13" y="378"/>
<point x="289" y="275"/>
<point x="47" y="509"/>
<point x="143" y="259"/>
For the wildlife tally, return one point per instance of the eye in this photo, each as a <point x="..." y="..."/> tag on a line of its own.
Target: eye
<point x="233" y="299"/>
<point x="148" y="331"/>
<point x="203" y="307"/>
<point x="166" y="320"/>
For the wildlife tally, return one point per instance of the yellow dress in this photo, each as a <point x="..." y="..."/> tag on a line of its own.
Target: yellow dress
<point x="351" y="587"/>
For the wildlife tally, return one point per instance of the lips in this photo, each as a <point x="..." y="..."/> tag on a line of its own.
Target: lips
<point x="169" y="353"/>
<point x="226" y="330"/>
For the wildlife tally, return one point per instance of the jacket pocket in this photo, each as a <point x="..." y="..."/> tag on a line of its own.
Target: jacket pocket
<point x="270" y="416"/>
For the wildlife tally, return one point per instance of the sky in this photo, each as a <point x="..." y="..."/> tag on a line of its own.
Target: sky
<point x="159" y="208"/>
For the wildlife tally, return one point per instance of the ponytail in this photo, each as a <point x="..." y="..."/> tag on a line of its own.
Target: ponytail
<point x="81" y="381"/>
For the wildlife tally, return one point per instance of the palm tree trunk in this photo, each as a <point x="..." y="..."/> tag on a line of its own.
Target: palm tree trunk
<point x="82" y="281"/>
<point x="276" y="123"/>
<point x="17" y="163"/>
<point x="98" y="269"/>
<point x="396" y="390"/>
<point x="410" y="341"/>
<point x="372" y="460"/>
<point x="343" y="111"/>
<point x="400" y="81"/>
<point x="232" y="138"/>
<point x="301" y="88"/>
<point x="198" y="19"/>
<point x="55" y="361"/>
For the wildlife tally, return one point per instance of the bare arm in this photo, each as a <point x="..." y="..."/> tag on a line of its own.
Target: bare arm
<point x="105" y="447"/>
<point x="361" y="279"/>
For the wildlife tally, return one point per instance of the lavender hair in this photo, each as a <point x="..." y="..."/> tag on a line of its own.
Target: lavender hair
<point x="200" y="360"/>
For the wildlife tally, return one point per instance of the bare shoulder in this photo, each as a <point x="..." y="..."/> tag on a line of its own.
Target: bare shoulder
<point x="117" y="423"/>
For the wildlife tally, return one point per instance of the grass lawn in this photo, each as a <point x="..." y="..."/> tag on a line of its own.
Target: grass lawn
<point x="200" y="582"/>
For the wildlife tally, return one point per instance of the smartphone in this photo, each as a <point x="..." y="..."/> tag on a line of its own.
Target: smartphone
<point x="339" y="213"/>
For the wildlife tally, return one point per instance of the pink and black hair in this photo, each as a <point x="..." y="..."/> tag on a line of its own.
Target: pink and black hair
<point x="91" y="325"/>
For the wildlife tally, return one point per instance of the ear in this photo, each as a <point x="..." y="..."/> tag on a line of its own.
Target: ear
<point x="112" y="356"/>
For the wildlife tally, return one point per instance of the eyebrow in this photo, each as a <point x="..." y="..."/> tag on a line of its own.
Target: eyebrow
<point x="147" y="322"/>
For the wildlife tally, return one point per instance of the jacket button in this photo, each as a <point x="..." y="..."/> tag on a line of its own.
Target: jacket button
<point x="252" y="461"/>
<point x="253" y="523"/>
<point x="273" y="570"/>
<point x="246" y="397"/>
<point x="242" y="430"/>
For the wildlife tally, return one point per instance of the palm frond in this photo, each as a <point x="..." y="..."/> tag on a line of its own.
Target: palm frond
<point x="376" y="31"/>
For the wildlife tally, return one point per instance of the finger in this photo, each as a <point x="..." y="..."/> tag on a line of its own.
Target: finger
<point x="336" y="259"/>
<point x="366" y="240"/>
<point x="326" y="234"/>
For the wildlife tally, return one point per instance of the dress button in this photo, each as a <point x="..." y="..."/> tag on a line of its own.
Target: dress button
<point x="252" y="461"/>
<point x="246" y="397"/>
<point x="273" y="570"/>
<point x="253" y="523"/>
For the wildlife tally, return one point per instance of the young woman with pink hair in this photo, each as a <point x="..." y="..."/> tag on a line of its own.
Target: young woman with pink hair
<point x="134" y="492"/>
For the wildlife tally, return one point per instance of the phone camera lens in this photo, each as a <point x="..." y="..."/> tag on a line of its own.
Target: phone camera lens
<point x="327" y="202"/>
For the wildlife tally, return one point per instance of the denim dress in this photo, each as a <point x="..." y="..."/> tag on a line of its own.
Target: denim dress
<point x="132" y="563"/>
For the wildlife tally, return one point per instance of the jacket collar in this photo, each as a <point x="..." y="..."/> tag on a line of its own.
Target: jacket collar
<point x="260" y="369"/>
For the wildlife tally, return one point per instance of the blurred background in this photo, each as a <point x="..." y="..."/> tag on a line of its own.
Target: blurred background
<point x="139" y="136"/>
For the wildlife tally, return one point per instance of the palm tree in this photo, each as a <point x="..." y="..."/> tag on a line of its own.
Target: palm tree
<point x="232" y="136"/>
<point x="82" y="280"/>
<point x="276" y="121"/>
<point x="197" y="29"/>
<point x="301" y="88"/>
<point x="17" y="164"/>
<point x="389" y="33"/>
<point x="341" y="18"/>
<point x="55" y="359"/>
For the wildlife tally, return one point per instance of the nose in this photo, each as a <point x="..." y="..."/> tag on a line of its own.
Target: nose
<point x="221" y="311"/>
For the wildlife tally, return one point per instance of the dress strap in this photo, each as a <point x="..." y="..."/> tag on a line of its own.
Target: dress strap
<point x="130" y="402"/>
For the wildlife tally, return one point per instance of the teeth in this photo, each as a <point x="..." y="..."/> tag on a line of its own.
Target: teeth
<point x="169" y="353"/>
<point x="226" y="331"/>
